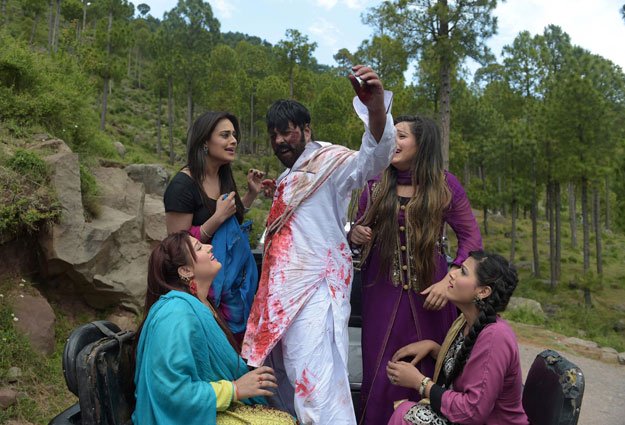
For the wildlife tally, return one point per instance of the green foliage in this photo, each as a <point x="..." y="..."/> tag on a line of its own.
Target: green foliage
<point x="89" y="191"/>
<point x="39" y="90"/>
<point x="524" y="315"/>
<point x="26" y="201"/>
<point x="29" y="165"/>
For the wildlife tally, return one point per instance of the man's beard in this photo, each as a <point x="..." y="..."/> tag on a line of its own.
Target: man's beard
<point x="295" y="152"/>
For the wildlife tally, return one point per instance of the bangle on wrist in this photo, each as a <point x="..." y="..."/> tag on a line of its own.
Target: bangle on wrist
<point x="236" y="391"/>
<point x="204" y="233"/>
<point x="424" y="383"/>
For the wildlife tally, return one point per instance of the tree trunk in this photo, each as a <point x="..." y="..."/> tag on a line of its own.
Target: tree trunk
<point x="3" y="12"/>
<point x="50" y="23"/>
<point x="483" y="177"/>
<point x="107" y="77"/>
<point x="57" y="29"/>
<point x="514" y="211"/>
<point x="585" y="225"/>
<point x="552" y="234"/>
<point x="291" y="83"/>
<point x="558" y="214"/>
<point x="607" y="203"/>
<point x="596" y="211"/>
<point x="170" y="116"/>
<point x="467" y="174"/>
<point x="105" y="93"/>
<point x="33" y="31"/>
<point x="547" y="200"/>
<point x="159" y="143"/>
<point x="189" y="103"/>
<point x="573" y="215"/>
<point x="534" y="218"/>
<point x="251" y="143"/>
<point x="84" y="16"/>
<point x="445" y="82"/>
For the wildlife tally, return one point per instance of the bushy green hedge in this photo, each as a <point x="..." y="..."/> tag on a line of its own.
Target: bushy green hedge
<point x="26" y="201"/>
<point x="37" y="90"/>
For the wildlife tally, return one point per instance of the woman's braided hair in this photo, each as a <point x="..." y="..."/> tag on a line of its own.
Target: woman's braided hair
<point x="497" y="273"/>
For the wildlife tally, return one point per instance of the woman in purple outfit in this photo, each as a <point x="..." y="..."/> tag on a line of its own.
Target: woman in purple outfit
<point x="400" y="224"/>
<point x="478" y="378"/>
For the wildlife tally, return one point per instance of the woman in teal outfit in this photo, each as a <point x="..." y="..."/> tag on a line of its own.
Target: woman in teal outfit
<point x="188" y="370"/>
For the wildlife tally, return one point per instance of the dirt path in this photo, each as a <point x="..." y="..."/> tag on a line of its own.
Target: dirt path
<point x="604" y="396"/>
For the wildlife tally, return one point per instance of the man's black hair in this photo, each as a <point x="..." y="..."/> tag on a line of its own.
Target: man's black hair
<point x="284" y="110"/>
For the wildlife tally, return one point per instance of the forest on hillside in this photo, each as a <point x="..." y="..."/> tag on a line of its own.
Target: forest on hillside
<point x="539" y="133"/>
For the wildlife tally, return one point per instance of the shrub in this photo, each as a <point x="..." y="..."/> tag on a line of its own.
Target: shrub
<point x="89" y="190"/>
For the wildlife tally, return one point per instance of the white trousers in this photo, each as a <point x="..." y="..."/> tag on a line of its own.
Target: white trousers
<point x="312" y="376"/>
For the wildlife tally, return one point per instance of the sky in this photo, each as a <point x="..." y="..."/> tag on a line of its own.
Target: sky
<point x="595" y="25"/>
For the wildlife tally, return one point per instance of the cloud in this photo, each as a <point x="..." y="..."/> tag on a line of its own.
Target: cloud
<point x="223" y="8"/>
<point x="326" y="31"/>
<point x="326" y="4"/>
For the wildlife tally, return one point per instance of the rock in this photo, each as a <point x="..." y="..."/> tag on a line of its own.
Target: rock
<point x="8" y="397"/>
<point x="619" y="307"/>
<point x="619" y="326"/>
<point x="36" y="322"/>
<point x="518" y="303"/>
<point x="621" y="358"/>
<point x="120" y="148"/>
<point x="609" y="354"/>
<point x="580" y="342"/>
<point x="124" y="319"/>
<point x="551" y="310"/>
<point x="153" y="176"/>
<point x="20" y="422"/>
<point x="13" y="374"/>
<point x="154" y="218"/>
<point x="104" y="261"/>
<point x="524" y="265"/>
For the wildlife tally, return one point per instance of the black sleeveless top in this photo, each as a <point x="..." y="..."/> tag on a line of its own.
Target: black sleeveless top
<point x="183" y="195"/>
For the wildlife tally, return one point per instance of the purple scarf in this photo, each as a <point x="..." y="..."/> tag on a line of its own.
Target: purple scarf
<point x="404" y="177"/>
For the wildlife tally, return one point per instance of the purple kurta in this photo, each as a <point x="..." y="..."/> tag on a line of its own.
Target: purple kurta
<point x="489" y="389"/>
<point x="399" y="313"/>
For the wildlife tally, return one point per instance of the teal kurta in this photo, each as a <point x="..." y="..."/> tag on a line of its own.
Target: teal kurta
<point x="181" y="350"/>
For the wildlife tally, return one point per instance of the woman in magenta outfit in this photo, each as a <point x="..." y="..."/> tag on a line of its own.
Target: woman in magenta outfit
<point x="400" y="224"/>
<point x="478" y="378"/>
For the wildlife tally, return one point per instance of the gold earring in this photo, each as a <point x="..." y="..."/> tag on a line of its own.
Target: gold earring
<point x="186" y="279"/>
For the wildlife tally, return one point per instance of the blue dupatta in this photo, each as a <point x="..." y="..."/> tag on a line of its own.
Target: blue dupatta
<point x="235" y="285"/>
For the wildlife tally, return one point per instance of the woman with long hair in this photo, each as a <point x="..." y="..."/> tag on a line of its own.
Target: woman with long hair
<point x="478" y="377"/>
<point x="202" y="199"/>
<point x="188" y="369"/>
<point x="399" y="230"/>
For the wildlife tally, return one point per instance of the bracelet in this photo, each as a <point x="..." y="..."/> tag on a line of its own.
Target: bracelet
<point x="236" y="391"/>
<point x="424" y="383"/>
<point x="204" y="233"/>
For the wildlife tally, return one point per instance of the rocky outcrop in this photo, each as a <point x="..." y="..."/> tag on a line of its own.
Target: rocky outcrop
<point x="104" y="260"/>
<point x="153" y="176"/>
<point x="527" y="304"/>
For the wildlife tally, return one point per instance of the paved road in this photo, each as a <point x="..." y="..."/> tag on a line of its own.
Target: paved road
<point x="604" y="396"/>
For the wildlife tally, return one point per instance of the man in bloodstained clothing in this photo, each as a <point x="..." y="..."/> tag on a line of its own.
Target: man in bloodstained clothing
<point x="298" y="322"/>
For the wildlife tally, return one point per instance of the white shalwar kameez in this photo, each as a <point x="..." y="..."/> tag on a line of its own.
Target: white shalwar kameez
<point x="302" y="301"/>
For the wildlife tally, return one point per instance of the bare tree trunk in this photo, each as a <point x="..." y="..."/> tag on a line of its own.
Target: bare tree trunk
<point x="170" y="116"/>
<point x="50" y="23"/>
<point x="57" y="29"/>
<point x="159" y="124"/>
<point x="189" y="104"/>
<point x="585" y="225"/>
<point x="84" y="15"/>
<point x="534" y="218"/>
<point x="573" y="215"/>
<point x="547" y="199"/>
<point x="514" y="210"/>
<point x="607" y="203"/>
<point x="107" y="77"/>
<point x="483" y="178"/>
<point x="291" y="83"/>
<point x="552" y="234"/>
<point x="558" y="213"/>
<point x="33" y="31"/>
<point x="445" y="106"/>
<point x="596" y="211"/>
<point x="252" y="144"/>
<point x="105" y="93"/>
<point x="3" y="12"/>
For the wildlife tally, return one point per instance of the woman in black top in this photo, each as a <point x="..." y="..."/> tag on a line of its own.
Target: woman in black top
<point x="194" y="199"/>
<point x="202" y="199"/>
